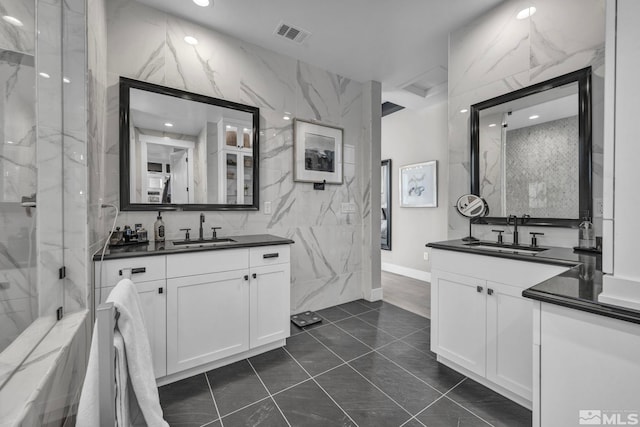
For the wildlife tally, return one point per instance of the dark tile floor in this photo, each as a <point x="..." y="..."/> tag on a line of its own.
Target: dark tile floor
<point x="367" y="364"/>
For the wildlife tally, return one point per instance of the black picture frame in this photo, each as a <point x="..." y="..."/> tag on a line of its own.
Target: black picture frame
<point x="585" y="201"/>
<point x="385" y="210"/>
<point x="126" y="84"/>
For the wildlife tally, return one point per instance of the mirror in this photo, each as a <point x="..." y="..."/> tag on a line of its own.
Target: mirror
<point x="531" y="152"/>
<point x="184" y="151"/>
<point x="385" y="202"/>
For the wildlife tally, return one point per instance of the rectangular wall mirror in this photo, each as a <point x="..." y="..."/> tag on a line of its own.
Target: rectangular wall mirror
<point x="385" y="201"/>
<point x="184" y="151"/>
<point x="531" y="152"/>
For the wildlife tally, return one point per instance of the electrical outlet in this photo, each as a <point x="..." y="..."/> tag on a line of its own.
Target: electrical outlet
<point x="426" y="256"/>
<point x="598" y="208"/>
<point x="348" y="208"/>
<point x="267" y="208"/>
<point x="100" y="208"/>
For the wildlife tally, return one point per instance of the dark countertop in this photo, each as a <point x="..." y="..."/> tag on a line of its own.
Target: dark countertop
<point x="578" y="288"/>
<point x="167" y="248"/>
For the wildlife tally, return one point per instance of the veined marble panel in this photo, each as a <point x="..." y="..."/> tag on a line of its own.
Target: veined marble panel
<point x="18" y="38"/>
<point x="326" y="291"/>
<point x="137" y="40"/>
<point x="318" y="94"/>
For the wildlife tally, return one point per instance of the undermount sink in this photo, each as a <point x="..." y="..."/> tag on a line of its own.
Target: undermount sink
<point x="202" y="243"/>
<point x="509" y="249"/>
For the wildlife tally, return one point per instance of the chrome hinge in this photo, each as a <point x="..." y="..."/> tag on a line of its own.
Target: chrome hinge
<point x="62" y="272"/>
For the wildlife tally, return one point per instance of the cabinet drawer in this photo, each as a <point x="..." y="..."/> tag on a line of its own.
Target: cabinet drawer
<point x="268" y="255"/>
<point x="204" y="262"/>
<point x="144" y="269"/>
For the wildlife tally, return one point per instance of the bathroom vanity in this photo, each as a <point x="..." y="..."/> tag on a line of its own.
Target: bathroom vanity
<point x="206" y="306"/>
<point x="528" y="325"/>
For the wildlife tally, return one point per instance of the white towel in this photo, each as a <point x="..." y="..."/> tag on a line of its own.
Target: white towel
<point x="132" y="362"/>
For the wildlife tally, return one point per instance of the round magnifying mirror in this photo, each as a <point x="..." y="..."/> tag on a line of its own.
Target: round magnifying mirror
<point x="472" y="206"/>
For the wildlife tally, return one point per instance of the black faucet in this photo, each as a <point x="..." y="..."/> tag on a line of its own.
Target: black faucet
<point x="201" y="234"/>
<point x="515" y="227"/>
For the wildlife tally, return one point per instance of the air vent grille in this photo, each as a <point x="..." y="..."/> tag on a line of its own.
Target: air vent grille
<point x="292" y="33"/>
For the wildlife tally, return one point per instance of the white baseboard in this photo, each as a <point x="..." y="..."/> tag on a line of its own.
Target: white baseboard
<point x="425" y="276"/>
<point x="375" y="295"/>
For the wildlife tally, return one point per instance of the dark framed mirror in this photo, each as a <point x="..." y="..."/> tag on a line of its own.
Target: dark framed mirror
<point x="531" y="153"/>
<point x="385" y="202"/>
<point x="184" y="151"/>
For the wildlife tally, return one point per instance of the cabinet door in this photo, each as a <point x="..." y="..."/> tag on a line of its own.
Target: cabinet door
<point x="510" y="339"/>
<point x="459" y="319"/>
<point x="270" y="302"/>
<point x="154" y="310"/>
<point x="207" y="318"/>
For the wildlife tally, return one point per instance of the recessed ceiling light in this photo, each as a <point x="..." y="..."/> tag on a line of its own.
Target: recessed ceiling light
<point x="535" y="116"/>
<point x="45" y="75"/>
<point x="464" y="110"/>
<point x="191" y="40"/>
<point x="492" y="125"/>
<point x="169" y="125"/>
<point x="201" y="3"/>
<point x="66" y="80"/>
<point x="525" y="13"/>
<point x="13" y="21"/>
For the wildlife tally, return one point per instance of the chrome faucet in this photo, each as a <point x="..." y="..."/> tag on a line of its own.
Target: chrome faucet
<point x="515" y="227"/>
<point x="201" y="233"/>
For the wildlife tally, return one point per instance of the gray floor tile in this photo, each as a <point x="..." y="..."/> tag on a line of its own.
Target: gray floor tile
<point x="370" y="304"/>
<point x="368" y="334"/>
<point x="489" y="405"/>
<point x="409" y="392"/>
<point x="364" y="403"/>
<point x="422" y="365"/>
<point x="235" y="386"/>
<point x="445" y="413"/>
<point x="278" y="370"/>
<point x="218" y="424"/>
<point x="403" y="316"/>
<point x="333" y="314"/>
<point x="312" y="355"/>
<point x="354" y="307"/>
<point x="188" y="402"/>
<point x="343" y="344"/>
<point x="413" y="423"/>
<point x="420" y="340"/>
<point x="388" y="324"/>
<point x="306" y="405"/>
<point x="262" y="414"/>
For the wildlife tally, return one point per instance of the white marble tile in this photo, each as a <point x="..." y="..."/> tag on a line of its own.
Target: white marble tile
<point x="18" y="38"/>
<point x="325" y="292"/>
<point x="318" y="94"/>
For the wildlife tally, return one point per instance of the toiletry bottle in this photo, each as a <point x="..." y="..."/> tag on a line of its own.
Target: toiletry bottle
<point x="158" y="229"/>
<point x="586" y="234"/>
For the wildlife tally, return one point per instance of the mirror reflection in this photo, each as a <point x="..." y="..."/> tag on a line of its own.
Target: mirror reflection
<point x="186" y="153"/>
<point x="531" y="152"/>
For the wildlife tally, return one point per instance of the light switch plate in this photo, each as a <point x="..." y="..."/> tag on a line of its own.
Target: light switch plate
<point x="426" y="256"/>
<point x="598" y="207"/>
<point x="267" y="208"/>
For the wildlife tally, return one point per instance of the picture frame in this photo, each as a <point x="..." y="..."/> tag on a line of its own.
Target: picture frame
<point x="317" y="152"/>
<point x="419" y="185"/>
<point x="385" y="204"/>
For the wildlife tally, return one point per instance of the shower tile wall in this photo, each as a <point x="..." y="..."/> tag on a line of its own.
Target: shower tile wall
<point x="18" y="292"/>
<point x="541" y="167"/>
<point x="327" y="266"/>
<point x="497" y="54"/>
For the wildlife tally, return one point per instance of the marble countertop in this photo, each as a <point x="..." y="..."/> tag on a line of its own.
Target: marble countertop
<point x="577" y="288"/>
<point x="168" y="247"/>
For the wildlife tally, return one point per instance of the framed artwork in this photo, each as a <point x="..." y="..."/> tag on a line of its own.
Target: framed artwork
<point x="385" y="203"/>
<point x="317" y="152"/>
<point x="419" y="185"/>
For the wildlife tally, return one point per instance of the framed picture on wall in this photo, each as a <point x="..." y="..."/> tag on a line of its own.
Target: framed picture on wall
<point x="419" y="185"/>
<point x="317" y="152"/>
<point x="385" y="204"/>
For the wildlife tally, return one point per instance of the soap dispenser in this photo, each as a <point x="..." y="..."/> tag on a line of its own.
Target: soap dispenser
<point x="158" y="229"/>
<point x="586" y="234"/>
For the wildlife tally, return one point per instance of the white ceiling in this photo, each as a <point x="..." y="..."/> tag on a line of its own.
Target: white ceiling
<point x="397" y="42"/>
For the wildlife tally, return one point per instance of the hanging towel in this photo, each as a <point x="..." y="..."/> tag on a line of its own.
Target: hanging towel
<point x="134" y="367"/>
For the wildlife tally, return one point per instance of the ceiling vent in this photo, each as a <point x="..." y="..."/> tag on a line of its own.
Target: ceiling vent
<point x="291" y="33"/>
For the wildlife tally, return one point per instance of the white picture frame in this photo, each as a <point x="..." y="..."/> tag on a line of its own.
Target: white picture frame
<point x="419" y="185"/>
<point x="317" y="152"/>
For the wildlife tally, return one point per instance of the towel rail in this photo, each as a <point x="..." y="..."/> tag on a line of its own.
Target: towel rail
<point x="107" y="317"/>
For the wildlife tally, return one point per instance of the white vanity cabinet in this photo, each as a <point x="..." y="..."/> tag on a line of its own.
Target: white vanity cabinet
<point x="205" y="309"/>
<point x="481" y="325"/>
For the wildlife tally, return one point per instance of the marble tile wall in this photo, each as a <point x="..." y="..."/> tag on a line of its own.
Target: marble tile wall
<point x="146" y="44"/>
<point x="18" y="38"/>
<point x="497" y="54"/>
